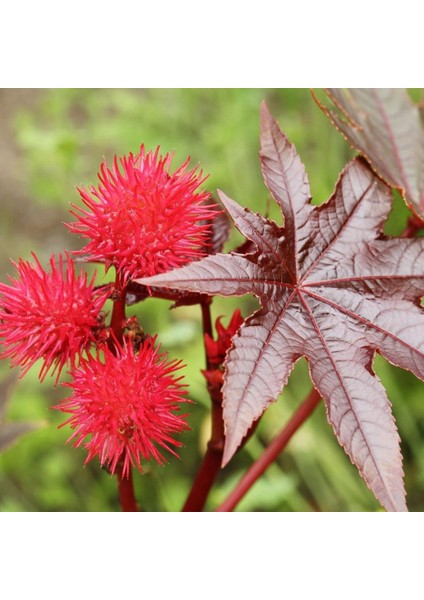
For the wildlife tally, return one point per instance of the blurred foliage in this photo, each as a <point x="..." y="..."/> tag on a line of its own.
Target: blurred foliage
<point x="62" y="139"/>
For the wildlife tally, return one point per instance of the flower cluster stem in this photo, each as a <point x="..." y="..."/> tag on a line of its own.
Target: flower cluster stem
<point x="126" y="492"/>
<point x="118" y="313"/>
<point x="272" y="452"/>
<point x="125" y="484"/>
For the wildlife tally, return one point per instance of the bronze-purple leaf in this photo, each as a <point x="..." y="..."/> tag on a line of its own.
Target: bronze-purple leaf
<point x="219" y="230"/>
<point x="387" y="128"/>
<point x="332" y="288"/>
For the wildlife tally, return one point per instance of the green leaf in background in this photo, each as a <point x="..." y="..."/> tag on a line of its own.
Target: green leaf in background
<point x="11" y="432"/>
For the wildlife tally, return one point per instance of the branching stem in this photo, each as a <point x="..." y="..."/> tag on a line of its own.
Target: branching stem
<point x="271" y="453"/>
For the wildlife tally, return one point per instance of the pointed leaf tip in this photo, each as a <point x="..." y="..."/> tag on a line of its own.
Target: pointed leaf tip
<point x="232" y="207"/>
<point x="227" y="456"/>
<point x="266" y="118"/>
<point x="223" y="197"/>
<point x="265" y="112"/>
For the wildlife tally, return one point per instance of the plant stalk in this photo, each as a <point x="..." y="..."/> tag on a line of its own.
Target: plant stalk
<point x="126" y="492"/>
<point x="271" y="452"/>
<point x="212" y="459"/>
<point x="125" y="484"/>
<point x="118" y="314"/>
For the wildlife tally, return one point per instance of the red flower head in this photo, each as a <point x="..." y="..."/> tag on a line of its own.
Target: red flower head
<point x="126" y="404"/>
<point x="144" y="220"/>
<point x="50" y="315"/>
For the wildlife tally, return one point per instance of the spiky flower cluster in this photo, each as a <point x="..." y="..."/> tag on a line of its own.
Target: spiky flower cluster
<point x="142" y="218"/>
<point x="53" y="315"/>
<point x="126" y="402"/>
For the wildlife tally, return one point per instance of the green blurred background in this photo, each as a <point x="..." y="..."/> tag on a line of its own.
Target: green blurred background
<point x="52" y="140"/>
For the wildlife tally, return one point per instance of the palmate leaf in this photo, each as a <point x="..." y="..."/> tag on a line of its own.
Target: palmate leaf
<point x="332" y="288"/>
<point x="387" y="128"/>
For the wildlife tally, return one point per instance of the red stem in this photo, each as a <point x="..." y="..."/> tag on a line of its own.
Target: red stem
<point x="125" y="484"/>
<point x="126" y="492"/>
<point x="212" y="459"/>
<point x="204" y="479"/>
<point x="271" y="453"/>
<point x="207" y="324"/>
<point x="118" y="313"/>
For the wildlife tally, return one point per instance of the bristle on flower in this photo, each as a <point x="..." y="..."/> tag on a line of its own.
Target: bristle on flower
<point x="125" y="402"/>
<point x="51" y="315"/>
<point x="142" y="218"/>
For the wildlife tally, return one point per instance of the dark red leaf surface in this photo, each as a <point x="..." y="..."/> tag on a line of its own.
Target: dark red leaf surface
<point x="219" y="230"/>
<point x="387" y="128"/>
<point x="333" y="289"/>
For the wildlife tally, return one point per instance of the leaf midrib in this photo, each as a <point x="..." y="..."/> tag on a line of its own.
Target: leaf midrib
<point x="338" y="233"/>
<point x="363" y="321"/>
<point x="348" y="398"/>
